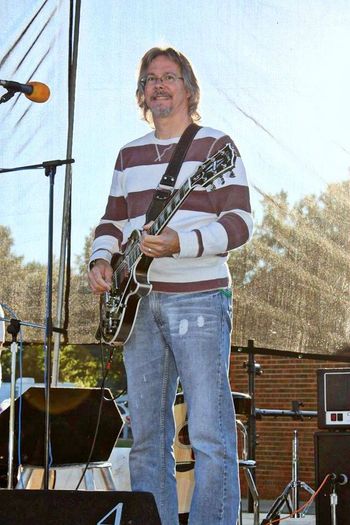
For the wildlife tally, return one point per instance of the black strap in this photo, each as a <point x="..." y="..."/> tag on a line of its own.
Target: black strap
<point x="167" y="182"/>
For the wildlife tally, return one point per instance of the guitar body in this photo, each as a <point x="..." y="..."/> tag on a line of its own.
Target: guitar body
<point x="119" y="306"/>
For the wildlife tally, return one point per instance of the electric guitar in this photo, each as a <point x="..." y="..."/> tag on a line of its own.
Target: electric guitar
<point x="119" y="306"/>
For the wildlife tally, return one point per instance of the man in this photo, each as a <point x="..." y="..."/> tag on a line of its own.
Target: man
<point x="183" y="326"/>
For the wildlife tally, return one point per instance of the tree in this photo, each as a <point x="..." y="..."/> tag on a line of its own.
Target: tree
<point x="294" y="294"/>
<point x="85" y="365"/>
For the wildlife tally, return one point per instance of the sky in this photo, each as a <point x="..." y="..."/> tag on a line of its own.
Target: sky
<point x="274" y="74"/>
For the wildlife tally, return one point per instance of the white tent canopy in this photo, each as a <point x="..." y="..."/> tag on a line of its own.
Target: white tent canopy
<point x="274" y="75"/>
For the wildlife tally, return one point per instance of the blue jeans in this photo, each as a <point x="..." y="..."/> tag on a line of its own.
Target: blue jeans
<point x="184" y="336"/>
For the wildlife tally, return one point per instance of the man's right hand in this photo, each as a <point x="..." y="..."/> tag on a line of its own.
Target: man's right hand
<point x="100" y="276"/>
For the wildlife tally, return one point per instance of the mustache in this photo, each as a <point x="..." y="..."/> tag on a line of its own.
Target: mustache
<point x="160" y="90"/>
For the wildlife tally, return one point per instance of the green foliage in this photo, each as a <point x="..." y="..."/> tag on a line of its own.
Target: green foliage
<point x="85" y="365"/>
<point x="32" y="362"/>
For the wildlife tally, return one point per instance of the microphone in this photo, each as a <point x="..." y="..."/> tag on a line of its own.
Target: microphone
<point x="34" y="91"/>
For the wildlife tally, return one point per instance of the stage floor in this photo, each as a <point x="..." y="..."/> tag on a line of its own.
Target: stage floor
<point x="248" y="519"/>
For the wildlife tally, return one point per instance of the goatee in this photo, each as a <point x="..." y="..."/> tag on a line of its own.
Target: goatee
<point x="160" y="112"/>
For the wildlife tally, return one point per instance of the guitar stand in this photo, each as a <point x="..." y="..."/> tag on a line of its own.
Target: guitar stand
<point x="290" y="494"/>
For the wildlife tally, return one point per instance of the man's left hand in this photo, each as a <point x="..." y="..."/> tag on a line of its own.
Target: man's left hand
<point x="163" y="245"/>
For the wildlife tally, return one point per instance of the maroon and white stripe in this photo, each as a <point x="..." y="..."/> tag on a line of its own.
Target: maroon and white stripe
<point x="209" y="223"/>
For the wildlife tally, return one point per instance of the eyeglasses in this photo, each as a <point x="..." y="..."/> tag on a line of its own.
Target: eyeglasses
<point x="166" y="79"/>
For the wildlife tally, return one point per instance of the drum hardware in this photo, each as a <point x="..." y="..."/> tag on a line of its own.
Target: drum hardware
<point x="243" y="406"/>
<point x="242" y="403"/>
<point x="290" y="494"/>
<point x="253" y="369"/>
<point x="294" y="413"/>
<point x="248" y="467"/>
<point x="13" y="329"/>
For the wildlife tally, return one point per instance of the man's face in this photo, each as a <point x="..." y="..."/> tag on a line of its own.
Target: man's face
<point x="164" y="99"/>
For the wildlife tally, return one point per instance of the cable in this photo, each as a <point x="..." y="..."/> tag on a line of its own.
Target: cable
<point x="105" y="374"/>
<point x="103" y="366"/>
<point x="278" y="520"/>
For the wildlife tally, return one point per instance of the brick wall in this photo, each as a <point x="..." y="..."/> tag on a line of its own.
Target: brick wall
<point x="285" y="378"/>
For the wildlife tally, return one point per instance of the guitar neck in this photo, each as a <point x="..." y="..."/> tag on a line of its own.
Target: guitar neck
<point x="170" y="209"/>
<point x="132" y="255"/>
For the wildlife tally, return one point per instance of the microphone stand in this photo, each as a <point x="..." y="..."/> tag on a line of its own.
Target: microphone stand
<point x="50" y="171"/>
<point x="7" y="96"/>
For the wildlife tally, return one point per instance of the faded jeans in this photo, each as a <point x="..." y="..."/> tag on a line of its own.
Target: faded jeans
<point x="184" y="336"/>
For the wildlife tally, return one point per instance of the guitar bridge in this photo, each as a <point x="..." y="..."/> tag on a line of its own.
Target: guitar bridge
<point x="111" y="312"/>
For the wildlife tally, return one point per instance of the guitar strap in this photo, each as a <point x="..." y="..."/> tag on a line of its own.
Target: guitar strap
<point x="167" y="182"/>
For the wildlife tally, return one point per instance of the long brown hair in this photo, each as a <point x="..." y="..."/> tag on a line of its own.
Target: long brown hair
<point x="187" y="73"/>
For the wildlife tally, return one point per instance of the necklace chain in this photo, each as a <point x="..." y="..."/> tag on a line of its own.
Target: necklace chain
<point x="161" y="155"/>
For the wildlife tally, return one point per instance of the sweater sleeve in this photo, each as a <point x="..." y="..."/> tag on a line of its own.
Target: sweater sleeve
<point x="109" y="232"/>
<point x="233" y="225"/>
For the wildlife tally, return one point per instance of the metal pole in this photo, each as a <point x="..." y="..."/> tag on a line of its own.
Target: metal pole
<point x="12" y="415"/>
<point x="334" y="502"/>
<point x="50" y="172"/>
<point x="73" y="60"/>
<point x="295" y="474"/>
<point x="251" y="418"/>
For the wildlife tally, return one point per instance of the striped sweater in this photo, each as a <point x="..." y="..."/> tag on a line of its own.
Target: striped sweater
<point x="208" y="223"/>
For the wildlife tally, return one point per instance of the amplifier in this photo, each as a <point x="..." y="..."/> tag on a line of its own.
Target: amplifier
<point x="333" y="387"/>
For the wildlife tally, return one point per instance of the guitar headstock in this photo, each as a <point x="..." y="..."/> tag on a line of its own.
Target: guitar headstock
<point x="223" y="161"/>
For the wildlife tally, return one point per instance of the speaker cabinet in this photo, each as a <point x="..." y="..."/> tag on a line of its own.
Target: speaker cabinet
<point x="332" y="453"/>
<point x="73" y="419"/>
<point x="64" y="507"/>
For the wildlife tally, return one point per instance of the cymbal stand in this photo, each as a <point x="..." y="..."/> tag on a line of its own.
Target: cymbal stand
<point x="290" y="494"/>
<point x="13" y="329"/>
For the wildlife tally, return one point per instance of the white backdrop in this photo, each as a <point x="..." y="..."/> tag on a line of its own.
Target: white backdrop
<point x="275" y="75"/>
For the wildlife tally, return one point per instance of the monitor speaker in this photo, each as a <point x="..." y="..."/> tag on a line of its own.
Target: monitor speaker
<point x="74" y="414"/>
<point x="65" y="507"/>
